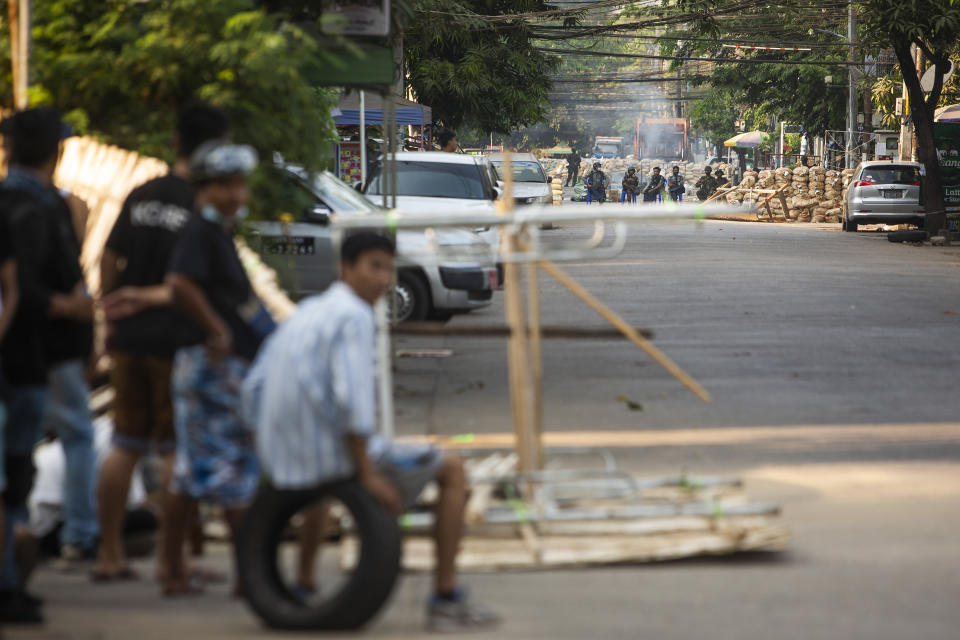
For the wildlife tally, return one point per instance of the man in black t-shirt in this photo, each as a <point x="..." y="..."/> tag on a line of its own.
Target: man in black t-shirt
<point x="45" y="352"/>
<point x="215" y="458"/>
<point x="145" y="328"/>
<point x="8" y="305"/>
<point x="573" y="167"/>
<point x="8" y="294"/>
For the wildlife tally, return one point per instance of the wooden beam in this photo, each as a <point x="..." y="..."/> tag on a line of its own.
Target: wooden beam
<point x="536" y="360"/>
<point x="661" y="358"/>
<point x="19" y="13"/>
<point x="518" y="354"/>
<point x="719" y="192"/>
<point x="499" y="331"/>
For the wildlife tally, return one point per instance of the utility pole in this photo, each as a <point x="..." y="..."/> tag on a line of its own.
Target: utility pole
<point x="852" y="79"/>
<point x="920" y="62"/>
<point x="906" y="137"/>
<point x="19" y="12"/>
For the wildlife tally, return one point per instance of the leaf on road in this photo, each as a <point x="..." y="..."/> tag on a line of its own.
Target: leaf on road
<point x="631" y="404"/>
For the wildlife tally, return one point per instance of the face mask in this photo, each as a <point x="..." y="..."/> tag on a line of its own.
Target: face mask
<point x="212" y="214"/>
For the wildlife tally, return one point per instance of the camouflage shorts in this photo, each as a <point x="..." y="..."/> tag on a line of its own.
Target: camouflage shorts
<point x="215" y="458"/>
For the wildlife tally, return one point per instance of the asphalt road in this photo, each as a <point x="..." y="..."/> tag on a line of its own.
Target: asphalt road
<point x="783" y="324"/>
<point x="832" y="360"/>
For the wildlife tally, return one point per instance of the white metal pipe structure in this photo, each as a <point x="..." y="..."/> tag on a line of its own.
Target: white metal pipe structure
<point x="385" y="370"/>
<point x="516" y="224"/>
<point x="852" y="89"/>
<point x="537" y="214"/>
<point x="388" y="180"/>
<point x="387" y="159"/>
<point x="363" y="138"/>
<point x="394" y="143"/>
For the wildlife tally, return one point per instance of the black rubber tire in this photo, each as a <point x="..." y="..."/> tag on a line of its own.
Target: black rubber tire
<point x="413" y="284"/>
<point x="849" y="226"/>
<point x="364" y="591"/>
<point x="910" y="235"/>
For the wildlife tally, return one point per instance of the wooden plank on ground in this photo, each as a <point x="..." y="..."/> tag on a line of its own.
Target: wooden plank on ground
<point x="494" y="331"/>
<point x="486" y="555"/>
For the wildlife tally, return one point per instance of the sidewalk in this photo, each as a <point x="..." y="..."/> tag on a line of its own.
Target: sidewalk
<point x="875" y="556"/>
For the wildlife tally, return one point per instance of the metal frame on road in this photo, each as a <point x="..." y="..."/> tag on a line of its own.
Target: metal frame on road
<point x="521" y="243"/>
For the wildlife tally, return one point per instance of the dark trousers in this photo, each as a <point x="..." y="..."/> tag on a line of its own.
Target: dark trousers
<point x="571" y="175"/>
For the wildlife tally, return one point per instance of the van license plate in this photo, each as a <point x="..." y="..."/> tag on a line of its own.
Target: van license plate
<point x="891" y="194"/>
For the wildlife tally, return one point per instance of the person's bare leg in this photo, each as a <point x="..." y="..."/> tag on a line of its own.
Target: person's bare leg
<point x="234" y="517"/>
<point x="451" y="505"/>
<point x="25" y="554"/>
<point x="161" y="570"/>
<point x="112" y="493"/>
<point x="176" y="509"/>
<point x="311" y="531"/>
<point x="196" y="535"/>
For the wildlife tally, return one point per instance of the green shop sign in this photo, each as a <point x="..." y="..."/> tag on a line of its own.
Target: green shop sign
<point x="947" y="139"/>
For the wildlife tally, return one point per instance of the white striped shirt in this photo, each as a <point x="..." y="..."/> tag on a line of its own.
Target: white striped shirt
<point x="310" y="386"/>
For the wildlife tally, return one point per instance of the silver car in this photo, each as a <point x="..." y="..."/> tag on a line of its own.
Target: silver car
<point x="300" y="248"/>
<point x="531" y="184"/>
<point x="884" y="192"/>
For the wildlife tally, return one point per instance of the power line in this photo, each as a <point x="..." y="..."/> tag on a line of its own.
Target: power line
<point x="650" y="56"/>
<point x="616" y="80"/>
<point x="565" y="32"/>
<point x="719" y="41"/>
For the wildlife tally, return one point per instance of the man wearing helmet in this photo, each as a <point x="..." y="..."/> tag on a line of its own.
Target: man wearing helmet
<point x="654" y="187"/>
<point x="597" y="185"/>
<point x="706" y="185"/>
<point x="630" y="186"/>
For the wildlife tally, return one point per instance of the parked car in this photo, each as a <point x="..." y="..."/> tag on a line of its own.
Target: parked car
<point x="531" y="184"/>
<point x="438" y="181"/>
<point x="884" y="192"/>
<point x="443" y="183"/>
<point x="301" y="249"/>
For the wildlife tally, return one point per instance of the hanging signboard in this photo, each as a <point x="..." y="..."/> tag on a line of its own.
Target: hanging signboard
<point x="357" y="18"/>
<point x="946" y="136"/>
<point x="349" y="167"/>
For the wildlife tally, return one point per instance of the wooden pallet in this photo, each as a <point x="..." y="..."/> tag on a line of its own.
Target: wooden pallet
<point x="576" y="521"/>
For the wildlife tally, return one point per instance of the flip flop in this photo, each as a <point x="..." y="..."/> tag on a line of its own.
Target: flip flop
<point x="125" y="574"/>
<point x="191" y="587"/>
<point x="208" y="575"/>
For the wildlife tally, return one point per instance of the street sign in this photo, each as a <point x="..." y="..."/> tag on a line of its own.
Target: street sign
<point x="946" y="136"/>
<point x="357" y="18"/>
<point x="930" y="75"/>
<point x="360" y="65"/>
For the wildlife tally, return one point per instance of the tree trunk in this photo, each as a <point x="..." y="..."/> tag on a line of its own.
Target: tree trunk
<point x="922" y="115"/>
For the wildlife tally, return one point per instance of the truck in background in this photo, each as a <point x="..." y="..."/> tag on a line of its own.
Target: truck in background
<point x="608" y="147"/>
<point x="887" y="145"/>
<point x="662" y="138"/>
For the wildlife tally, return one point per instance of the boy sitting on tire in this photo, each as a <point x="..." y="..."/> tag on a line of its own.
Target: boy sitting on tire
<point x="311" y="398"/>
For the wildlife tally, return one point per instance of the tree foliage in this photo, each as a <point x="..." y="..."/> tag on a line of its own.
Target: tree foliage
<point x="792" y="91"/>
<point x="887" y="88"/>
<point x="715" y="115"/>
<point x="120" y="70"/>
<point x="475" y="72"/>
<point x="933" y="27"/>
